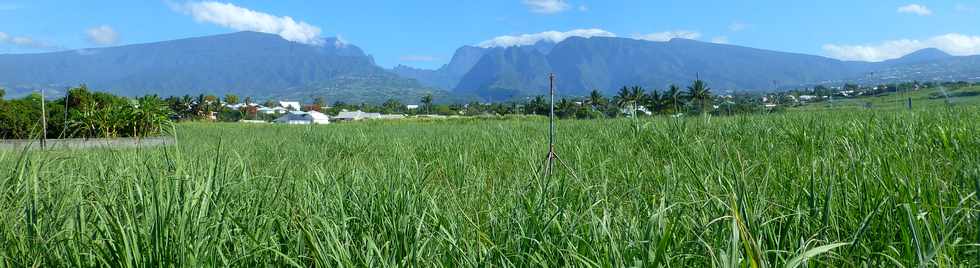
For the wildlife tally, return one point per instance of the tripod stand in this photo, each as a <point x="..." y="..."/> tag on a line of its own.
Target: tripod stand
<point x="552" y="158"/>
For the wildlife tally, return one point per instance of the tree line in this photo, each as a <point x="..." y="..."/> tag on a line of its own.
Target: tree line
<point x="81" y="114"/>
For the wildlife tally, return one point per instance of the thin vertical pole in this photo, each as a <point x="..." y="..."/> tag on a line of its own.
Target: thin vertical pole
<point x="551" y="117"/>
<point x="64" y="124"/>
<point x="44" y="122"/>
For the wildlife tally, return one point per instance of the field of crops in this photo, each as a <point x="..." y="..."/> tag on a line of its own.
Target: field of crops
<point x="862" y="188"/>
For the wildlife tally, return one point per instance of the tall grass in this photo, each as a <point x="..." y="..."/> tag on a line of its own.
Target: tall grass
<point x="862" y="188"/>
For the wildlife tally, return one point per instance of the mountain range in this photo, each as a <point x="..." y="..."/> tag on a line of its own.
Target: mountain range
<point x="246" y="63"/>
<point x="266" y="66"/>
<point x="606" y="64"/>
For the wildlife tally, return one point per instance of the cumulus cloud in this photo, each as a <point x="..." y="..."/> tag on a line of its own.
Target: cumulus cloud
<point x="720" y="40"/>
<point x="915" y="9"/>
<point x="25" y="42"/>
<point x="952" y="43"/>
<point x="546" y="6"/>
<point x="667" y="36"/>
<point x="102" y="35"/>
<point x="419" y="58"/>
<point x="243" y="19"/>
<point x="551" y="36"/>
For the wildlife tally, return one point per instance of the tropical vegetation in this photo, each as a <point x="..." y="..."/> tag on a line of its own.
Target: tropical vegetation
<point x="862" y="188"/>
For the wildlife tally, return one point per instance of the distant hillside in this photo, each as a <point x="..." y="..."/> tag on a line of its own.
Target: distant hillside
<point x="448" y="76"/>
<point x="246" y="63"/>
<point x="583" y="64"/>
<point x="934" y="67"/>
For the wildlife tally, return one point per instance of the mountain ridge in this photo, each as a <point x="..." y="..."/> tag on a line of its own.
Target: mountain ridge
<point x="245" y="63"/>
<point x="607" y="63"/>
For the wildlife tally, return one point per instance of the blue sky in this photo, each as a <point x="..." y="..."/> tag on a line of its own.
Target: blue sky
<point x="425" y="33"/>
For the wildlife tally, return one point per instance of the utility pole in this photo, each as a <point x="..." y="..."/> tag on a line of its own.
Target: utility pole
<point x="44" y="122"/>
<point x="64" y="124"/>
<point x="552" y="157"/>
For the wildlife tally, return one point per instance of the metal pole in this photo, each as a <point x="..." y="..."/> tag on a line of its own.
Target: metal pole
<point x="44" y="122"/>
<point x="551" y="117"/>
<point x="64" y="124"/>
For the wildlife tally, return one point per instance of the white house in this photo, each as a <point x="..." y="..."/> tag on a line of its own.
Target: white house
<point x="276" y="110"/>
<point x="291" y="105"/>
<point x="355" y="116"/>
<point x="807" y="97"/>
<point x="412" y="107"/>
<point x="304" y="118"/>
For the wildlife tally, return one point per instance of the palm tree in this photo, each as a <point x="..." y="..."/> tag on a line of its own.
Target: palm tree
<point x="701" y="92"/>
<point x="637" y="96"/>
<point x="427" y="101"/>
<point x="623" y="98"/>
<point x="673" y="97"/>
<point x="654" y="100"/>
<point x="596" y="99"/>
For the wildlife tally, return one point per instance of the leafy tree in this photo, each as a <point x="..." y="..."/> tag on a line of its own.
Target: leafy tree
<point x="654" y="101"/>
<point x="20" y="117"/>
<point x="674" y="97"/>
<point x="538" y="106"/>
<point x="148" y="116"/>
<point x="629" y="98"/>
<point x="319" y="102"/>
<point x="638" y="96"/>
<point x="392" y="106"/>
<point x="427" y="102"/>
<point x="565" y="108"/>
<point x="596" y="100"/>
<point x="231" y="99"/>
<point x="2" y="93"/>
<point x="623" y="98"/>
<point x="270" y="104"/>
<point x="701" y="93"/>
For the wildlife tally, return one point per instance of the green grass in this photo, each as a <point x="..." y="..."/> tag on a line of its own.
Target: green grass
<point x="831" y="189"/>
<point x="930" y="97"/>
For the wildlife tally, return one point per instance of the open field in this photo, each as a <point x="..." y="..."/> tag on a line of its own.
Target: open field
<point x="63" y="144"/>
<point x="863" y="188"/>
<point x="930" y="97"/>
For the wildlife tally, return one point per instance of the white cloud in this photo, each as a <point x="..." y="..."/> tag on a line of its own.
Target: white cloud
<point x="25" y="42"/>
<point x="583" y="8"/>
<point x="952" y="43"/>
<point x="102" y="35"/>
<point x="419" y="58"/>
<point x="915" y="9"/>
<point x="546" y="6"/>
<point x="243" y="19"/>
<point x="552" y="36"/>
<point x="667" y="36"/>
<point x="720" y="40"/>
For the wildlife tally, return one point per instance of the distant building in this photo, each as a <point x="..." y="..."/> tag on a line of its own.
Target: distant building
<point x="235" y="106"/>
<point x="291" y="105"/>
<point x="356" y="116"/>
<point x="412" y="107"/>
<point x="304" y="118"/>
<point x="276" y="110"/>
